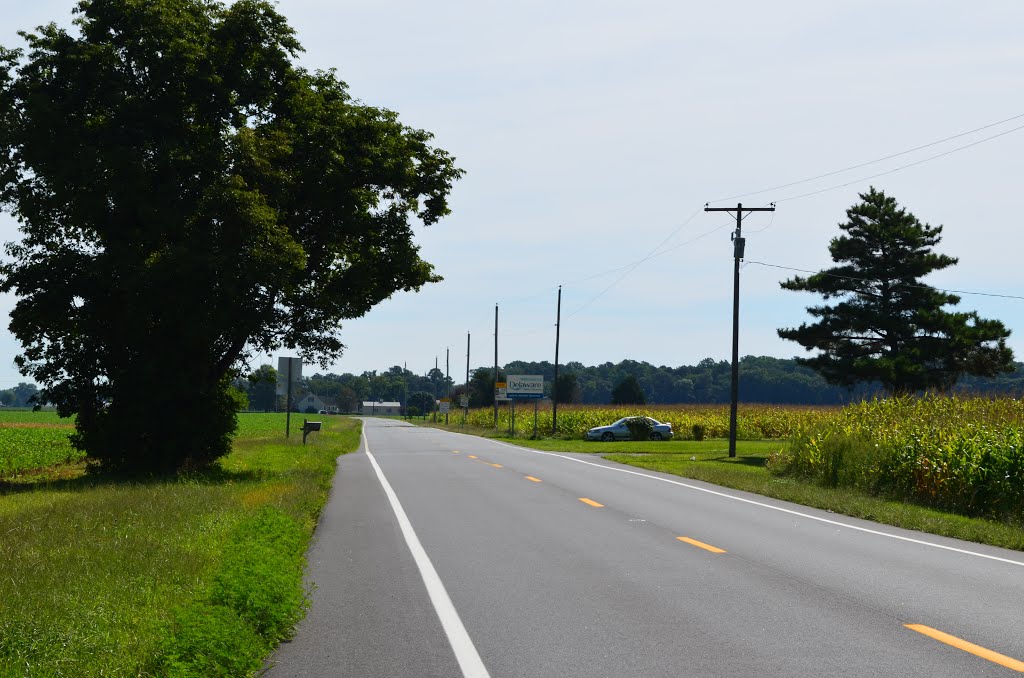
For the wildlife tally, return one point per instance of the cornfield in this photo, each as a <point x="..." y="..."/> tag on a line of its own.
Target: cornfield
<point x="960" y="454"/>
<point x="753" y="422"/>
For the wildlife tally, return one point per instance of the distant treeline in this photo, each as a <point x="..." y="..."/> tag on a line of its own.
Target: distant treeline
<point x="762" y="380"/>
<point x="19" y="396"/>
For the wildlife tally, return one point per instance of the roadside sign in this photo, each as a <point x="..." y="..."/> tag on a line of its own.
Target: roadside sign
<point x="463" y="401"/>
<point x="501" y="390"/>
<point x="444" y="405"/>
<point x="525" y="386"/>
<point x="284" y="367"/>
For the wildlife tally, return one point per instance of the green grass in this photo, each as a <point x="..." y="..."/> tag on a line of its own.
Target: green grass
<point x="747" y="471"/>
<point x="108" y="578"/>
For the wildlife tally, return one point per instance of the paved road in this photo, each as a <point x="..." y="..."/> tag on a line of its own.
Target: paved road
<point x="532" y="564"/>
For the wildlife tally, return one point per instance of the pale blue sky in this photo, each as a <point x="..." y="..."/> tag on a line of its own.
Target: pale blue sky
<point x="592" y="131"/>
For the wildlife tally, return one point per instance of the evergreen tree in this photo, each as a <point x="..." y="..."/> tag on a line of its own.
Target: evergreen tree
<point x="887" y="326"/>
<point x="567" y="389"/>
<point x="628" y="392"/>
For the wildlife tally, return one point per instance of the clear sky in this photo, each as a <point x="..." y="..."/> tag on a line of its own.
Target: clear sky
<point x="593" y="132"/>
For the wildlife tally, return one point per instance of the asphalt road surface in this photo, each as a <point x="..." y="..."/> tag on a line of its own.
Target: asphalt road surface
<point x="444" y="555"/>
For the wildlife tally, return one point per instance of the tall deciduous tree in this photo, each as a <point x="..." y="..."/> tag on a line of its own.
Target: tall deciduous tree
<point x="887" y="326"/>
<point x="189" y="196"/>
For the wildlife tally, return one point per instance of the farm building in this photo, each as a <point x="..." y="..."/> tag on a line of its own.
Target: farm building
<point x="380" y="407"/>
<point x="310" y="403"/>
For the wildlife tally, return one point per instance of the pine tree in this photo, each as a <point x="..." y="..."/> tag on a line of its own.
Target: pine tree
<point x="886" y="325"/>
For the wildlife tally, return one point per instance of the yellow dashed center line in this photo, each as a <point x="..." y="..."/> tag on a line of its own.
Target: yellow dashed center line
<point x="591" y="502"/>
<point x="455" y="452"/>
<point x="472" y="456"/>
<point x="960" y="644"/>
<point x="702" y="545"/>
<point x="536" y="480"/>
<point x="495" y="465"/>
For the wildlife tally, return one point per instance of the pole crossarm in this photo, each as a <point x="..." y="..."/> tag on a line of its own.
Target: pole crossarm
<point x="738" y="246"/>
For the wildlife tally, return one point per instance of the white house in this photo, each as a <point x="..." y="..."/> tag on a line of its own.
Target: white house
<point x="310" y="402"/>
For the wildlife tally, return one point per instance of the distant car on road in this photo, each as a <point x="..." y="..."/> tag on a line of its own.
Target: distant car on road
<point x="619" y="430"/>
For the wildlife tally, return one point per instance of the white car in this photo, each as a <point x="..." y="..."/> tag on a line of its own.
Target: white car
<point x="620" y="431"/>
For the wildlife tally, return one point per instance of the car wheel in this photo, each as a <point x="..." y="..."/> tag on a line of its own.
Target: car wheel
<point x="607" y="436"/>
<point x="655" y="436"/>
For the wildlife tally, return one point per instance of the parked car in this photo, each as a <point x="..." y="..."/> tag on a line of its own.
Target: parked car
<point x="618" y="430"/>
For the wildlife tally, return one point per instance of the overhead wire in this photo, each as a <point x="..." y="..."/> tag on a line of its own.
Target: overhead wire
<point x="875" y="161"/>
<point x="859" y="279"/>
<point x="902" y="167"/>
<point x="653" y="254"/>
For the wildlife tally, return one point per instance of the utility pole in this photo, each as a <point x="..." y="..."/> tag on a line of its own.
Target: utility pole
<point x="288" y="403"/>
<point x="738" y="243"/>
<point x="465" y="413"/>
<point x="495" y="366"/>
<point x="554" y="386"/>
<point x="447" y="383"/>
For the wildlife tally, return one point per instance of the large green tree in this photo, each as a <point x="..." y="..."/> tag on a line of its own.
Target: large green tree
<point x="886" y="325"/>
<point x="628" y="392"/>
<point x="188" y="196"/>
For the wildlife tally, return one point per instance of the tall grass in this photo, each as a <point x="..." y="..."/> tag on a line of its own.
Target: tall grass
<point x="959" y="454"/>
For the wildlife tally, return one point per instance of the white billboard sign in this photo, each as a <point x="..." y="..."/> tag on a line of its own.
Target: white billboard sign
<point x="525" y="386"/>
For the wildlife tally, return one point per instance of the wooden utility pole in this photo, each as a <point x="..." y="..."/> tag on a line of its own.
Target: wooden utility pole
<point x="554" y="386"/>
<point x="465" y="409"/>
<point x="495" y="366"/>
<point x="738" y="243"/>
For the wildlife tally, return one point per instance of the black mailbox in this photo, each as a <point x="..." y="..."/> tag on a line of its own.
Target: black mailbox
<point x="308" y="427"/>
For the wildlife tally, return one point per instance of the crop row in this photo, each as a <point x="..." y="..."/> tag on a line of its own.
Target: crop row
<point x="30" y="447"/>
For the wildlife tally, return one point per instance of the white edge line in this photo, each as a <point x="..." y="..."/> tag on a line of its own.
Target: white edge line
<point x="465" y="652"/>
<point x="763" y="505"/>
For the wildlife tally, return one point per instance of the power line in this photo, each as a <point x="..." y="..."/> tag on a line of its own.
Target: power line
<point x="878" y="160"/>
<point x="657" y="251"/>
<point x="653" y="254"/>
<point x="923" y="287"/>
<point x="902" y="167"/>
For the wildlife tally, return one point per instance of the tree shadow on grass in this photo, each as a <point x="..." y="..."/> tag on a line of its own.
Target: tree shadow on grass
<point x="75" y="478"/>
<point x="745" y="461"/>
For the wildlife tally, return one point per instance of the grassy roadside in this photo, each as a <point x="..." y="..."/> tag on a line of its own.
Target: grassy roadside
<point x="708" y="461"/>
<point x="196" y="576"/>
